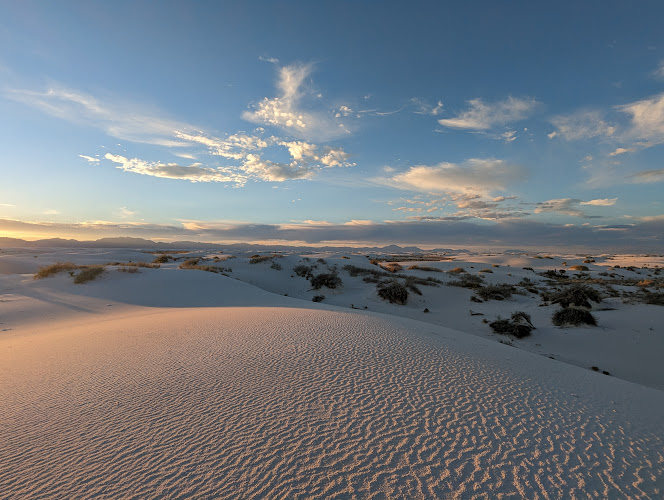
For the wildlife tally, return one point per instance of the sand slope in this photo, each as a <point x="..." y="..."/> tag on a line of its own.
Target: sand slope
<point x="280" y="402"/>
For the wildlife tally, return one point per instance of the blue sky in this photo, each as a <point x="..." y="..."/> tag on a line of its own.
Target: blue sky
<point x="475" y="123"/>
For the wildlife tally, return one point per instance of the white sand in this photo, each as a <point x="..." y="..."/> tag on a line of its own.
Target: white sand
<point x="179" y="384"/>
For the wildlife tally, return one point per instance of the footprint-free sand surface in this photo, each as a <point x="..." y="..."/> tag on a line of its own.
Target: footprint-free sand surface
<point x="292" y="403"/>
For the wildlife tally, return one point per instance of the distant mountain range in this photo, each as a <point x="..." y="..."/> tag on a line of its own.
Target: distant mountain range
<point x="143" y="244"/>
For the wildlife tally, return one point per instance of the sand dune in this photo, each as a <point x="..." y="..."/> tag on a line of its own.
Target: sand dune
<point x="281" y="402"/>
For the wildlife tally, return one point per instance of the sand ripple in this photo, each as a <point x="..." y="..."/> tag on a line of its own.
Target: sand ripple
<point x="289" y="403"/>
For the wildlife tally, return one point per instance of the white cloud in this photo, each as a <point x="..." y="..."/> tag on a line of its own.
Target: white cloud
<point x="603" y="202"/>
<point x="286" y="111"/>
<point x="423" y="108"/>
<point x="475" y="175"/>
<point x="659" y="72"/>
<point x="508" y="136"/>
<point x="7" y="205"/>
<point x="272" y="60"/>
<point x="275" y="172"/>
<point x="647" y="118"/>
<point x="483" y="116"/>
<point x="129" y="121"/>
<point x="194" y="172"/>
<point x="581" y="125"/>
<point x="125" y="212"/>
<point x="89" y="159"/>
<point x="622" y="151"/>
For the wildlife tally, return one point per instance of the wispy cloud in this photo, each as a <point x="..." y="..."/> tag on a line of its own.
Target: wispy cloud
<point x="128" y="121"/>
<point x="89" y="159"/>
<point x="484" y="116"/>
<point x="476" y="175"/>
<point x="272" y="60"/>
<point x="647" y="118"/>
<point x="581" y="125"/>
<point x="659" y="71"/>
<point x="647" y="176"/>
<point x="286" y="111"/>
<point x="622" y="151"/>
<point x="570" y="206"/>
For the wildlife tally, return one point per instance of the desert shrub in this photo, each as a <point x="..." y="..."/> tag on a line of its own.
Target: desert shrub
<point x="573" y="316"/>
<point x="162" y="259"/>
<point x="276" y="266"/>
<point x="656" y="299"/>
<point x="329" y="280"/>
<point x="486" y="271"/>
<point x="394" y="292"/>
<point x="131" y="270"/>
<point x="345" y="257"/>
<point x="528" y="269"/>
<point x="318" y="298"/>
<point x="589" y="260"/>
<point x="321" y="261"/>
<point x="411" y="285"/>
<point x="496" y="265"/>
<point x="457" y="270"/>
<point x="426" y="268"/>
<point x="303" y="271"/>
<point x="579" y="268"/>
<point x="53" y="269"/>
<point x="151" y="265"/>
<point x="392" y="267"/>
<point x="467" y="281"/>
<point x="189" y="263"/>
<point x="88" y="273"/>
<point x="500" y="291"/>
<point x="256" y="259"/>
<point x="578" y="296"/>
<point x="519" y="325"/>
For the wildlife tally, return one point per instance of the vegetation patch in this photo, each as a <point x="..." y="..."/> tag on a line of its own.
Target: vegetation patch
<point x="519" y="325"/>
<point x="426" y="268"/>
<point x="656" y="299"/>
<point x="89" y="273"/>
<point x="257" y="259"/>
<point x="579" y="267"/>
<point x="500" y="291"/>
<point x="456" y="270"/>
<point x="392" y="267"/>
<point x="467" y="281"/>
<point x="577" y="296"/>
<point x="394" y="292"/>
<point x="328" y="280"/>
<point x="53" y="269"/>
<point x="163" y="259"/>
<point x="150" y="265"/>
<point x="573" y="316"/>
<point x="318" y="298"/>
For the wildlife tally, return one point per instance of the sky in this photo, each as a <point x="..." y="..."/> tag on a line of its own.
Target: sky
<point x="436" y="124"/>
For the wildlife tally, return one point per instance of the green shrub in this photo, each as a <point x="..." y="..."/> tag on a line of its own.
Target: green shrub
<point x="303" y="271"/>
<point x="573" y="316"/>
<point x="393" y="291"/>
<point x="89" y="273"/>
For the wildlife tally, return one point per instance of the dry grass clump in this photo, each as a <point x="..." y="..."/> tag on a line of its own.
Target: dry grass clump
<point x="329" y="280"/>
<point x="573" y="316"/>
<point x="150" y="265"/>
<point x="318" y="298"/>
<point x="456" y="270"/>
<point x="519" y="325"/>
<point x="577" y="296"/>
<point x="130" y="270"/>
<point x="303" y="271"/>
<point x="656" y="299"/>
<point x="394" y="292"/>
<point x="467" y="281"/>
<point x="500" y="291"/>
<point x="256" y="259"/>
<point x="163" y="259"/>
<point x="579" y="268"/>
<point x="486" y="271"/>
<point x="276" y="266"/>
<point x="53" y="269"/>
<point x="89" y="273"/>
<point x="392" y="267"/>
<point x="193" y="264"/>
<point x="426" y="268"/>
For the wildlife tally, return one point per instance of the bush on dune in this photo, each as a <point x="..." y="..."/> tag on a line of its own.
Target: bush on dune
<point x="89" y="273"/>
<point x="519" y="325"/>
<point x="578" y="296"/>
<point x="573" y="316"/>
<point x="53" y="269"/>
<point x="329" y="280"/>
<point x="394" y="292"/>
<point x="500" y="291"/>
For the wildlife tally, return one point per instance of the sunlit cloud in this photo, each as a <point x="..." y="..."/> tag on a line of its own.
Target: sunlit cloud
<point x="603" y="202"/>
<point x="647" y="118"/>
<point x="622" y="151"/>
<point x="90" y="159"/>
<point x="287" y="112"/>
<point x="475" y="175"/>
<point x="483" y="116"/>
<point x="570" y="206"/>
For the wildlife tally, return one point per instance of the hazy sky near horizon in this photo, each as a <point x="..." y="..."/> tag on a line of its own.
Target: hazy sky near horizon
<point x="333" y="122"/>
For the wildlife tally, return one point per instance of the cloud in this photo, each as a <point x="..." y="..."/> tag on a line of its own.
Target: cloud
<point x="647" y="176"/>
<point x="622" y="151"/>
<point x="604" y="202"/>
<point x="647" y="118"/>
<point x="90" y="159"/>
<point x="581" y="125"/>
<point x="659" y="72"/>
<point x="194" y="172"/>
<point x="569" y="206"/>
<point x="643" y="236"/>
<point x="272" y="60"/>
<point x="7" y="205"/>
<point x="286" y="111"/>
<point x="475" y="175"/>
<point x="508" y="136"/>
<point x="424" y="108"/>
<point x="128" y="121"/>
<point x="483" y="116"/>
